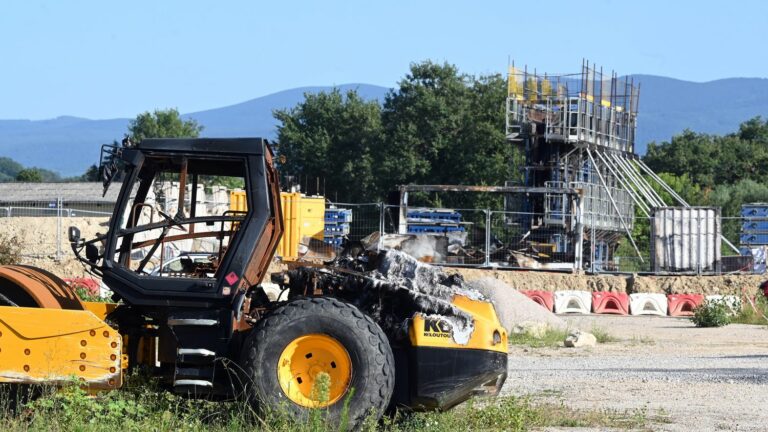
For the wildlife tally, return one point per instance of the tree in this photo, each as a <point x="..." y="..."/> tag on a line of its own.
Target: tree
<point x="163" y="124"/>
<point x="331" y="137"/>
<point x="9" y="169"/>
<point x="422" y="119"/>
<point x="444" y="127"/>
<point x="682" y="185"/>
<point x="689" y="152"/>
<point x="712" y="160"/>
<point x="30" y="175"/>
<point x="92" y="174"/>
<point x="438" y="126"/>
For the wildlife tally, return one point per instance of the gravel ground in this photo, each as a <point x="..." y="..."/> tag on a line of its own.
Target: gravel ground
<point x="695" y="379"/>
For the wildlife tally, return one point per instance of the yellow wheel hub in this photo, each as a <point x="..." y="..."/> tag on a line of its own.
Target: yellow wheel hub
<point x="314" y="370"/>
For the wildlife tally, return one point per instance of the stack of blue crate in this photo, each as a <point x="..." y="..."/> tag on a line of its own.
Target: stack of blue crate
<point x="754" y="233"/>
<point x="337" y="222"/>
<point x="433" y="221"/>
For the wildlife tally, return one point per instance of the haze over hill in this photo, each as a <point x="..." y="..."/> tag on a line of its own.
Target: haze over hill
<point x="667" y="106"/>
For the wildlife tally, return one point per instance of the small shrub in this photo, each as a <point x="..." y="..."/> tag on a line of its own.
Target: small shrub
<point x="712" y="313"/>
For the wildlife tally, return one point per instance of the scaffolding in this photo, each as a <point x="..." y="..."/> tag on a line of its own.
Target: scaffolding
<point x="578" y="132"/>
<point x="584" y="108"/>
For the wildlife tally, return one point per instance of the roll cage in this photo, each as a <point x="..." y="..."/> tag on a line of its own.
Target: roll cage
<point x="241" y="243"/>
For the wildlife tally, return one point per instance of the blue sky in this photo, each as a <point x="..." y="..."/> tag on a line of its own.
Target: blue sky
<point x="105" y="59"/>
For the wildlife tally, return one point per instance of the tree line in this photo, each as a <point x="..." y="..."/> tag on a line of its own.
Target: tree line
<point x="716" y="170"/>
<point x="438" y="126"/>
<point x="442" y="126"/>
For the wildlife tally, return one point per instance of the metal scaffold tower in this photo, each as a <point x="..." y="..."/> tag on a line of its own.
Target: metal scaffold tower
<point x="578" y="131"/>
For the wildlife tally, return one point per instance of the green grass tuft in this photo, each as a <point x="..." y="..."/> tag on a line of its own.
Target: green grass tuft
<point x="758" y="315"/>
<point x="602" y="336"/>
<point x="551" y="338"/>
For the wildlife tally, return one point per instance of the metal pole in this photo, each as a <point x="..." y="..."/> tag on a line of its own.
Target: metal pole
<point x="646" y="190"/>
<point x="487" y="237"/>
<point x="382" y="211"/>
<point x="615" y="207"/>
<point x="58" y="228"/>
<point x="592" y="244"/>
<point x="626" y="185"/>
<point x="402" y="220"/>
<point x="662" y="183"/>
<point x="579" y="246"/>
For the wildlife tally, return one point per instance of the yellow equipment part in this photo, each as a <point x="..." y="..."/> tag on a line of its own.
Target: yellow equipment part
<point x="56" y="346"/>
<point x="488" y="333"/>
<point x="303" y="359"/>
<point x="303" y="219"/>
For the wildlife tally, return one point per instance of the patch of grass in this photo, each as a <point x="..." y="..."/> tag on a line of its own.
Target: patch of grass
<point x="560" y="415"/>
<point x="72" y="409"/>
<point x="602" y="335"/>
<point x="550" y="338"/>
<point x="758" y="315"/>
<point x="142" y="406"/>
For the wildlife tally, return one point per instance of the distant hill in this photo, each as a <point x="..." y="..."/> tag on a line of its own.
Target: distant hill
<point x="667" y="106"/>
<point x="70" y="145"/>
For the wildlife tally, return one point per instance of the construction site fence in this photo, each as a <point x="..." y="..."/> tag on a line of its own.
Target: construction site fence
<point x="467" y="237"/>
<point x="40" y="227"/>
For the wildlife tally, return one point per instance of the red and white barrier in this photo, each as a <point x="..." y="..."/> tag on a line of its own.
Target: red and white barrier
<point x="648" y="304"/>
<point x="579" y="302"/>
<point x="683" y="304"/>
<point x="616" y="303"/>
<point x="544" y="298"/>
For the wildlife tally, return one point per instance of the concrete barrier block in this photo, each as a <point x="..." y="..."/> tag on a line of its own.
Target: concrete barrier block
<point x="648" y="304"/>
<point x="616" y="303"/>
<point x="683" y="304"/>
<point x="544" y="298"/>
<point x="573" y="302"/>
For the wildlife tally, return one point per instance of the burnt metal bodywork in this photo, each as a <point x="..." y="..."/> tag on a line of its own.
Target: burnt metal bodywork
<point x="252" y="249"/>
<point x="188" y="327"/>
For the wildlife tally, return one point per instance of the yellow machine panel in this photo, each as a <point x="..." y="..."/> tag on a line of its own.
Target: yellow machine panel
<point x="488" y="333"/>
<point x="303" y="220"/>
<point x="58" y="345"/>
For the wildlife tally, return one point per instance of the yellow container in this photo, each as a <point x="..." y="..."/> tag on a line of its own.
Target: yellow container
<point x="303" y="219"/>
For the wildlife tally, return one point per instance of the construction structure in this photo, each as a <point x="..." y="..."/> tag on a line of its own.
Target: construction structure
<point x="577" y="131"/>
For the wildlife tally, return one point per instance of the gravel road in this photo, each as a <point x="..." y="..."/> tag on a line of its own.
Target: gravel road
<point x="696" y="379"/>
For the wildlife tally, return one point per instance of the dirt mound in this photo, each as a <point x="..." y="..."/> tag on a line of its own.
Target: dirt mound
<point x="707" y="285"/>
<point x="514" y="308"/>
<point x="41" y="237"/>
<point x="548" y="281"/>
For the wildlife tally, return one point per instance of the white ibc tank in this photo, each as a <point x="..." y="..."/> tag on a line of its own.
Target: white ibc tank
<point x="648" y="304"/>
<point x="685" y="239"/>
<point x="573" y="302"/>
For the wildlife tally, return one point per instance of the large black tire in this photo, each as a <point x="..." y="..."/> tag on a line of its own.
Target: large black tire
<point x="372" y="363"/>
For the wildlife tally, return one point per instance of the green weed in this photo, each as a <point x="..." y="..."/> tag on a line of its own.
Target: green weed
<point x="602" y="336"/>
<point x="712" y="313"/>
<point x="757" y="315"/>
<point x="551" y="338"/>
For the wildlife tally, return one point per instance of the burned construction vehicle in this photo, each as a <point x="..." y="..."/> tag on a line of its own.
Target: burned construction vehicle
<point x="383" y="329"/>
